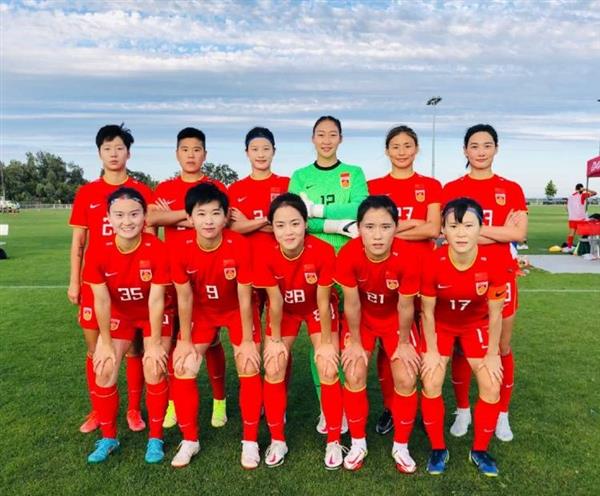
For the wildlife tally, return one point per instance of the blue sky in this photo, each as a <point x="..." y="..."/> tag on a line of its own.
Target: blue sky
<point x="530" y="68"/>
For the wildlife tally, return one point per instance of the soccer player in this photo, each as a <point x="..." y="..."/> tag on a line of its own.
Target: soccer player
<point x="91" y="225"/>
<point x="504" y="222"/>
<point x="168" y="210"/>
<point x="418" y="200"/>
<point x="332" y="191"/>
<point x="576" y="204"/>
<point x="462" y="295"/>
<point x="128" y="274"/>
<point x="379" y="274"/>
<point x="297" y="272"/>
<point x="212" y="276"/>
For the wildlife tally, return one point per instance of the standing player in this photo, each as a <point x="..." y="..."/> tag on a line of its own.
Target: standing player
<point x="504" y="222"/>
<point x="332" y="191"/>
<point x="380" y="278"/>
<point x="462" y="294"/>
<point x="91" y="226"/>
<point x="128" y="274"/>
<point x="576" y="204"/>
<point x="297" y="272"/>
<point x="168" y="210"/>
<point x="212" y="276"/>
<point x="418" y="200"/>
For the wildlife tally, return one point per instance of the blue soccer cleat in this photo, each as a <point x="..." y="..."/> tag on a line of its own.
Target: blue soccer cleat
<point x="484" y="463"/>
<point x="104" y="447"/>
<point x="154" y="450"/>
<point x="438" y="459"/>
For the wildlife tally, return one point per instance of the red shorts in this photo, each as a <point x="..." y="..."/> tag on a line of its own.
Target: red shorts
<point x="474" y="342"/>
<point x="87" y="315"/>
<point x="206" y="326"/>
<point x="389" y="339"/>
<point x="121" y="328"/>
<point x="290" y="323"/>
<point x="512" y="297"/>
<point x="574" y="224"/>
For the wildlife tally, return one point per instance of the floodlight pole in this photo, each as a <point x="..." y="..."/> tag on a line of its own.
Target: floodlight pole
<point x="433" y="101"/>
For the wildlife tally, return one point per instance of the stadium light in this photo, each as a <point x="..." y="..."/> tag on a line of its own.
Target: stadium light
<point x="433" y="101"/>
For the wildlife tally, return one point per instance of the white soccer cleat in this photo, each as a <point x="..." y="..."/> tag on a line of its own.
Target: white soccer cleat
<point x="404" y="462"/>
<point x="461" y="423"/>
<point x="275" y="454"/>
<point x="334" y="455"/>
<point x="503" y="431"/>
<point x="187" y="449"/>
<point x="250" y="455"/>
<point x="322" y="424"/>
<point x="355" y="457"/>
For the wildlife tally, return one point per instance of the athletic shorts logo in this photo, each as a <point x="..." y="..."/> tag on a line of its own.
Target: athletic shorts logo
<point x="229" y="269"/>
<point x="345" y="180"/>
<point x="500" y="197"/>
<point x="420" y="194"/>
<point x="114" y="324"/>
<point x="310" y="274"/>
<point x="146" y="275"/>
<point x="87" y="313"/>
<point x="391" y="281"/>
<point x="481" y="287"/>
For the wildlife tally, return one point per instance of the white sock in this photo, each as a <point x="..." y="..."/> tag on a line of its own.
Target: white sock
<point x="360" y="443"/>
<point x="399" y="446"/>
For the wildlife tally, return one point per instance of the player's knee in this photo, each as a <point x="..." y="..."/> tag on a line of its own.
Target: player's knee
<point x="432" y="386"/>
<point x="327" y="374"/>
<point x="356" y="379"/>
<point x="404" y="384"/>
<point x="245" y="368"/>
<point x="276" y="372"/>
<point x="490" y="392"/>
<point x="107" y="377"/>
<point x="152" y="374"/>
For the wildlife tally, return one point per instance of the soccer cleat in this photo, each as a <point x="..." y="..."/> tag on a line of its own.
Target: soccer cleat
<point x="437" y="462"/>
<point x="170" y="416"/>
<point x="219" y="414"/>
<point x="275" y="454"/>
<point x="90" y="424"/>
<point x="385" y="423"/>
<point x="484" y="463"/>
<point x="250" y="455"/>
<point x="135" y="421"/>
<point x="503" y="431"/>
<point x="344" y="428"/>
<point x="461" y="423"/>
<point x="187" y="449"/>
<point x="404" y="462"/>
<point x="334" y="455"/>
<point x="104" y="447"/>
<point x="355" y="457"/>
<point x="154" y="451"/>
<point x="321" y="424"/>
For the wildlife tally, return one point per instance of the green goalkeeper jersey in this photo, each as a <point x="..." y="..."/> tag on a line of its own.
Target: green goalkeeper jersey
<point x="340" y="188"/>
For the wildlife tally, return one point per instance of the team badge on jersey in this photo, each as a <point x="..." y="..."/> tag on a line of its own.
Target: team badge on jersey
<point x="345" y="180"/>
<point x="420" y="195"/>
<point x="145" y="270"/>
<point x="114" y="324"/>
<point x="87" y="313"/>
<point x="500" y="197"/>
<point x="229" y="269"/>
<point x="391" y="281"/>
<point x="310" y="274"/>
<point x="275" y="192"/>
<point x="481" y="283"/>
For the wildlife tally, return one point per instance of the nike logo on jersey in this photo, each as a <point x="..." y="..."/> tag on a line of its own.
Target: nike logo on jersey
<point x="192" y="271"/>
<point x="443" y="286"/>
<point x="279" y="277"/>
<point x="241" y="199"/>
<point x="169" y="202"/>
<point x="110" y="274"/>
<point x="94" y="205"/>
<point x="500" y="293"/>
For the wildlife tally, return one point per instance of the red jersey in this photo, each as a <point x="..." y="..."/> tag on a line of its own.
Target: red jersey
<point x="90" y="210"/>
<point x="213" y="275"/>
<point x="173" y="192"/>
<point x="299" y="277"/>
<point x="462" y="295"/>
<point x="128" y="275"/>
<point x="379" y="283"/>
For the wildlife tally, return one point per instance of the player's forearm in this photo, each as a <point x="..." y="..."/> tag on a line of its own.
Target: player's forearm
<point x="316" y="225"/>
<point x="245" y="301"/>
<point x="407" y="225"/>
<point x="341" y="210"/>
<point x="323" y="304"/>
<point x="352" y="313"/>
<point x="495" y="326"/>
<point x="246" y="226"/>
<point x="102" y="309"/>
<point x="76" y="257"/>
<point x="156" y="307"/>
<point x="406" y="315"/>
<point x="421" y="232"/>
<point x="428" y="323"/>
<point x="275" y="312"/>
<point x="157" y="217"/>
<point x="185" y="301"/>
<point x="505" y="234"/>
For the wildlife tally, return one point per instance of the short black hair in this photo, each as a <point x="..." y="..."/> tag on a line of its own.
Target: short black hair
<point x="127" y="194"/>
<point x="112" y="131"/>
<point x="395" y="131"/>
<point x="460" y="206"/>
<point x="288" y="200"/>
<point x="204" y="193"/>
<point x="259" y="132"/>
<point x="578" y="186"/>
<point x="377" y="202"/>
<point x="337" y="122"/>
<point x="481" y="128"/>
<point x="191" y="132"/>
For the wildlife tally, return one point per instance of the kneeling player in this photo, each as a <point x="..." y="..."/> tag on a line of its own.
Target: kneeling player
<point x="462" y="294"/>
<point x="380" y="278"/>
<point x="212" y="276"/>
<point x="297" y="272"/>
<point x="128" y="274"/>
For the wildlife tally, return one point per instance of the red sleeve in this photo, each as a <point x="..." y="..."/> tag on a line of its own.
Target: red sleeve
<point x="498" y="280"/>
<point x="178" y="266"/>
<point x="584" y="197"/>
<point x="92" y="267"/>
<point x="435" y="191"/>
<point x="518" y="202"/>
<point x="244" y="262"/>
<point x="158" y="191"/>
<point x="146" y="193"/>
<point x="327" y="258"/>
<point x="263" y="275"/>
<point x="79" y="210"/>
<point x="285" y="183"/>
<point x="411" y="276"/>
<point x="428" y="275"/>
<point x="161" y="268"/>
<point x="233" y="194"/>
<point x="344" y="270"/>
<point x="446" y="194"/>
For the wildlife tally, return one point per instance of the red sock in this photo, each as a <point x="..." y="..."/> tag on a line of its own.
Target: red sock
<point x="250" y="405"/>
<point x="356" y="406"/>
<point x="91" y="379"/>
<point x="461" y="379"/>
<point x="386" y="381"/>
<point x="570" y="241"/>
<point x="331" y="401"/>
<point x="275" y="400"/>
<point x="404" y="411"/>
<point x="288" y="372"/>
<point x="170" y="372"/>
<point x="157" y="397"/>
<point x="215" y="365"/>
<point x="135" y="382"/>
<point x="433" y="412"/>
<point x="187" y="403"/>
<point x="485" y="419"/>
<point x="508" y="380"/>
<point x="107" y="402"/>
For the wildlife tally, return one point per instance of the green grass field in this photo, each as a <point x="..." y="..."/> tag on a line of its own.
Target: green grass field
<point x="555" y="413"/>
